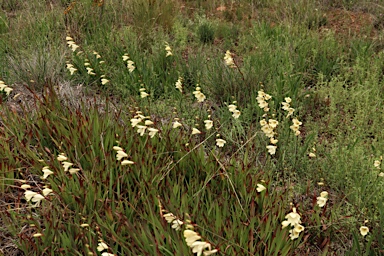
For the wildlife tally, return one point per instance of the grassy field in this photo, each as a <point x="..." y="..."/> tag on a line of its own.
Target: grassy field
<point x="170" y="127"/>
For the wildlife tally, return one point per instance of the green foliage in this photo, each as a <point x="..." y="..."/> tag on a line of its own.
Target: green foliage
<point x="104" y="193"/>
<point x="146" y="16"/>
<point x="206" y="33"/>
<point x="10" y="5"/>
<point x="181" y="33"/>
<point x="288" y="50"/>
<point x="3" y="23"/>
<point x="228" y="33"/>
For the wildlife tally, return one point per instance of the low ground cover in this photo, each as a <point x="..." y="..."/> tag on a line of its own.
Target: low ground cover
<point x="191" y="127"/>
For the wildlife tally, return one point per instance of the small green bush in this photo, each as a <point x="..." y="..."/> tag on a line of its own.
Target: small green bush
<point x="206" y="33"/>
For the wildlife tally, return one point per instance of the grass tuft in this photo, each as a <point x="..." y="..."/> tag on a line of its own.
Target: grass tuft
<point x="191" y="127"/>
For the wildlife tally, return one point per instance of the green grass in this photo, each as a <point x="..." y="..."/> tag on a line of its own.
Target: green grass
<point x="296" y="50"/>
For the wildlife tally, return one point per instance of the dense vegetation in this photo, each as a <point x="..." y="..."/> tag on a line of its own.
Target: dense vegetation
<point x="170" y="127"/>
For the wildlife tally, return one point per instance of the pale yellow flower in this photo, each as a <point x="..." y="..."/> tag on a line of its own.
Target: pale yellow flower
<point x="168" y="50"/>
<point x="263" y="122"/>
<point x="84" y="225"/>
<point x="7" y="90"/>
<point x="229" y="60"/>
<point x="61" y="157"/>
<point x="191" y="237"/>
<point x="206" y="253"/>
<point x="294" y="234"/>
<point x="195" y="131"/>
<point x="130" y="66"/>
<point x="152" y="132"/>
<point x="125" y="57"/>
<point x="296" y="122"/>
<point x="90" y="71"/>
<point x="104" y="81"/>
<point x="377" y="164"/>
<point x="299" y="228"/>
<point x="74" y="47"/>
<point x="285" y="105"/>
<point x="73" y="170"/>
<point x="312" y="155"/>
<point x="141" y="129"/>
<point x="107" y="254"/>
<point x="127" y="162"/>
<point x="29" y="195"/>
<point x="198" y="247"/>
<point x="66" y="165"/>
<point x="210" y="252"/>
<point x="271" y="149"/>
<point x="364" y="230"/>
<point x="199" y="95"/>
<point x="208" y="124"/>
<point x="260" y="188"/>
<point x="176" y="224"/>
<point x="72" y="70"/>
<point x="37" y="235"/>
<point x="273" y="123"/>
<point x="288" y="99"/>
<point x="97" y="55"/>
<point x="273" y="141"/>
<point x="220" y="142"/>
<point x="179" y="84"/>
<point x="285" y="224"/>
<point x="292" y="218"/>
<point x="135" y="121"/>
<point x="268" y="131"/>
<point x="148" y="122"/>
<point x="25" y="186"/>
<point x="263" y="104"/>
<point x="176" y="124"/>
<point x="102" y="246"/>
<point x="261" y="94"/>
<point x="324" y="194"/>
<point x="294" y="127"/>
<point x="169" y="217"/>
<point x="37" y="198"/>
<point x="46" y="172"/>
<point x="232" y="108"/>
<point x="290" y="111"/>
<point x="143" y="94"/>
<point x="266" y="128"/>
<point x="236" y="114"/>
<point x="120" y="155"/>
<point x="321" y="201"/>
<point x="117" y="148"/>
<point x="47" y="191"/>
